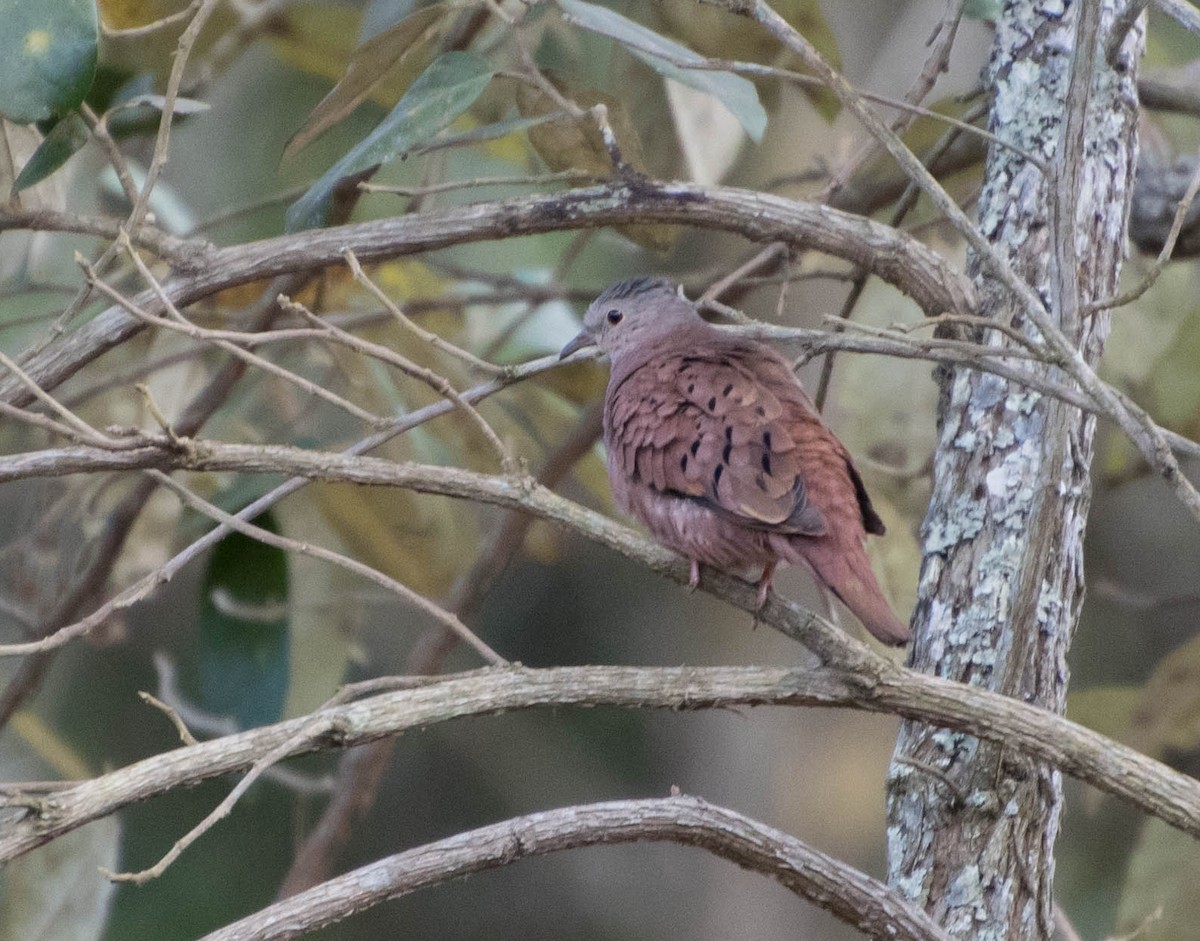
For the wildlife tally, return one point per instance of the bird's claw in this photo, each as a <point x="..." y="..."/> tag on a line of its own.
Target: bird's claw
<point x="694" y="578"/>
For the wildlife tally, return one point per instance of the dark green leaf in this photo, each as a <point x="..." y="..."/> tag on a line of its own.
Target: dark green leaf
<point x="439" y="95"/>
<point x="737" y="94"/>
<point x="63" y="141"/>
<point x="244" y="664"/>
<point x="47" y="57"/>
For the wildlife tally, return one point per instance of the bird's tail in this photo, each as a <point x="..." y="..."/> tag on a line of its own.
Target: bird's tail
<point x="845" y="570"/>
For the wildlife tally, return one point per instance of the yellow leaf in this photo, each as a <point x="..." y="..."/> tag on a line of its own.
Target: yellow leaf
<point x="60" y="756"/>
<point x="720" y="34"/>
<point x="1168" y="716"/>
<point x="127" y="14"/>
<point x="318" y="38"/>
<point x="576" y="144"/>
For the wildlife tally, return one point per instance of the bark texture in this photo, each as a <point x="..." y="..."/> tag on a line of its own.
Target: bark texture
<point x="972" y="824"/>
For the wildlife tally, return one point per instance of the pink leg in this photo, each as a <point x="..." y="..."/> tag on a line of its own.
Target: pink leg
<point x="764" y="583"/>
<point x="694" y="580"/>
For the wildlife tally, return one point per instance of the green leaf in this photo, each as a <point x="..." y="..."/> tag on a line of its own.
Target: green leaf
<point x="244" y="665"/>
<point x="484" y="132"/>
<point x="47" y="57"/>
<point x="369" y="66"/>
<point x="737" y="94"/>
<point x="982" y="9"/>
<point x="439" y="95"/>
<point x="1158" y="902"/>
<point x="65" y="139"/>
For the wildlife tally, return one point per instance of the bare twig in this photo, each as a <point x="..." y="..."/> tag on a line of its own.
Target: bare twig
<point x="146" y="585"/>
<point x="437" y="342"/>
<point x="413" y="598"/>
<point x="313" y="730"/>
<point x="81" y="428"/>
<point x="1134" y="421"/>
<point x="855" y="898"/>
<point x="866" y="682"/>
<point x="935" y="284"/>
<point x="1164" y="255"/>
<point x="170" y="712"/>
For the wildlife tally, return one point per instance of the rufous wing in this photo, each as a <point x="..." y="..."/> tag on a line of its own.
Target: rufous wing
<point x="701" y="425"/>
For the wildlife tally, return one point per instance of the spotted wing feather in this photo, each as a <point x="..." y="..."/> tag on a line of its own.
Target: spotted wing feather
<point x="703" y="426"/>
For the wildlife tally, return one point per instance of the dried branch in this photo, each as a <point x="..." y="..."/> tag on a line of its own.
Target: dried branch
<point x="1133" y="420"/>
<point x="868" y="683"/>
<point x="935" y="284"/>
<point x="834" y="886"/>
<point x="406" y="594"/>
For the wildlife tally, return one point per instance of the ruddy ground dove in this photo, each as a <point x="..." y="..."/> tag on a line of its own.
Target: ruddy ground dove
<point x="714" y="445"/>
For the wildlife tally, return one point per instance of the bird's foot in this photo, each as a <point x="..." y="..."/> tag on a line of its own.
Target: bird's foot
<point x="764" y="583"/>
<point x="694" y="579"/>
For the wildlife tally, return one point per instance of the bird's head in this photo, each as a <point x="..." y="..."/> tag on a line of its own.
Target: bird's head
<point x="632" y="314"/>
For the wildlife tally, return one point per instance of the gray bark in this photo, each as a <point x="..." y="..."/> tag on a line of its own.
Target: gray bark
<point x="972" y="824"/>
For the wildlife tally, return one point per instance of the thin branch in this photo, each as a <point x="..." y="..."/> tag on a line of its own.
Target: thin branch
<point x="413" y="598"/>
<point x="437" y="342"/>
<point x="148" y="583"/>
<point x="439" y="383"/>
<point x="1182" y="12"/>
<point x="80" y="428"/>
<point x="127" y="32"/>
<point x="852" y="896"/>
<point x="935" y="284"/>
<point x="569" y="176"/>
<point x="313" y="730"/>
<point x="866" y="682"/>
<point x="937" y="62"/>
<point x="99" y="128"/>
<point x="137" y="215"/>
<point x="1164" y="255"/>
<point x="1137" y="424"/>
<point x="179" y="324"/>
<point x="171" y="713"/>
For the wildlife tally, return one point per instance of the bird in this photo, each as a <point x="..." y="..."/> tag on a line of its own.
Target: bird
<point x="713" y="444"/>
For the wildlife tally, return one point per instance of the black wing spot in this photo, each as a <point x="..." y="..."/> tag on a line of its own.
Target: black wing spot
<point x="691" y="387"/>
<point x="766" y="464"/>
<point x="717" y="476"/>
<point x="712" y="403"/>
<point x="760" y="411"/>
<point x="683" y="463"/>
<point x="729" y="432"/>
<point x="762" y="484"/>
<point x="695" y="447"/>
<point x="767" y="440"/>
<point x="727" y="389"/>
<point x="725" y="454"/>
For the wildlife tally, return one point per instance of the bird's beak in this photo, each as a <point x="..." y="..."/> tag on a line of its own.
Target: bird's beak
<point x="581" y="342"/>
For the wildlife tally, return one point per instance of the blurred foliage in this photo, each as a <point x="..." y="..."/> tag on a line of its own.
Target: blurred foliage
<point x="243" y="660"/>
<point x="423" y="97"/>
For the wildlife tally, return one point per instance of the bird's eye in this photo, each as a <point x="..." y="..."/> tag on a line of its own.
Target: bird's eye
<point x="614" y="317"/>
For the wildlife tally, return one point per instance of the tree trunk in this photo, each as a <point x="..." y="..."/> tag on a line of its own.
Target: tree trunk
<point x="971" y="825"/>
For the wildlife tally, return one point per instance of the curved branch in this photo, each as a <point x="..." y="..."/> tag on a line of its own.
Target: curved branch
<point x="892" y="255"/>
<point x="873" y="684"/>
<point x="826" y="882"/>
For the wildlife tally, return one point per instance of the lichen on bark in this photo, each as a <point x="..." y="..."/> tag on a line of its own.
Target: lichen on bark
<point x="971" y="825"/>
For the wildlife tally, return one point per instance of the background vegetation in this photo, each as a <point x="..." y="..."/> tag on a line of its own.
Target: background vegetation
<point x="275" y="106"/>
